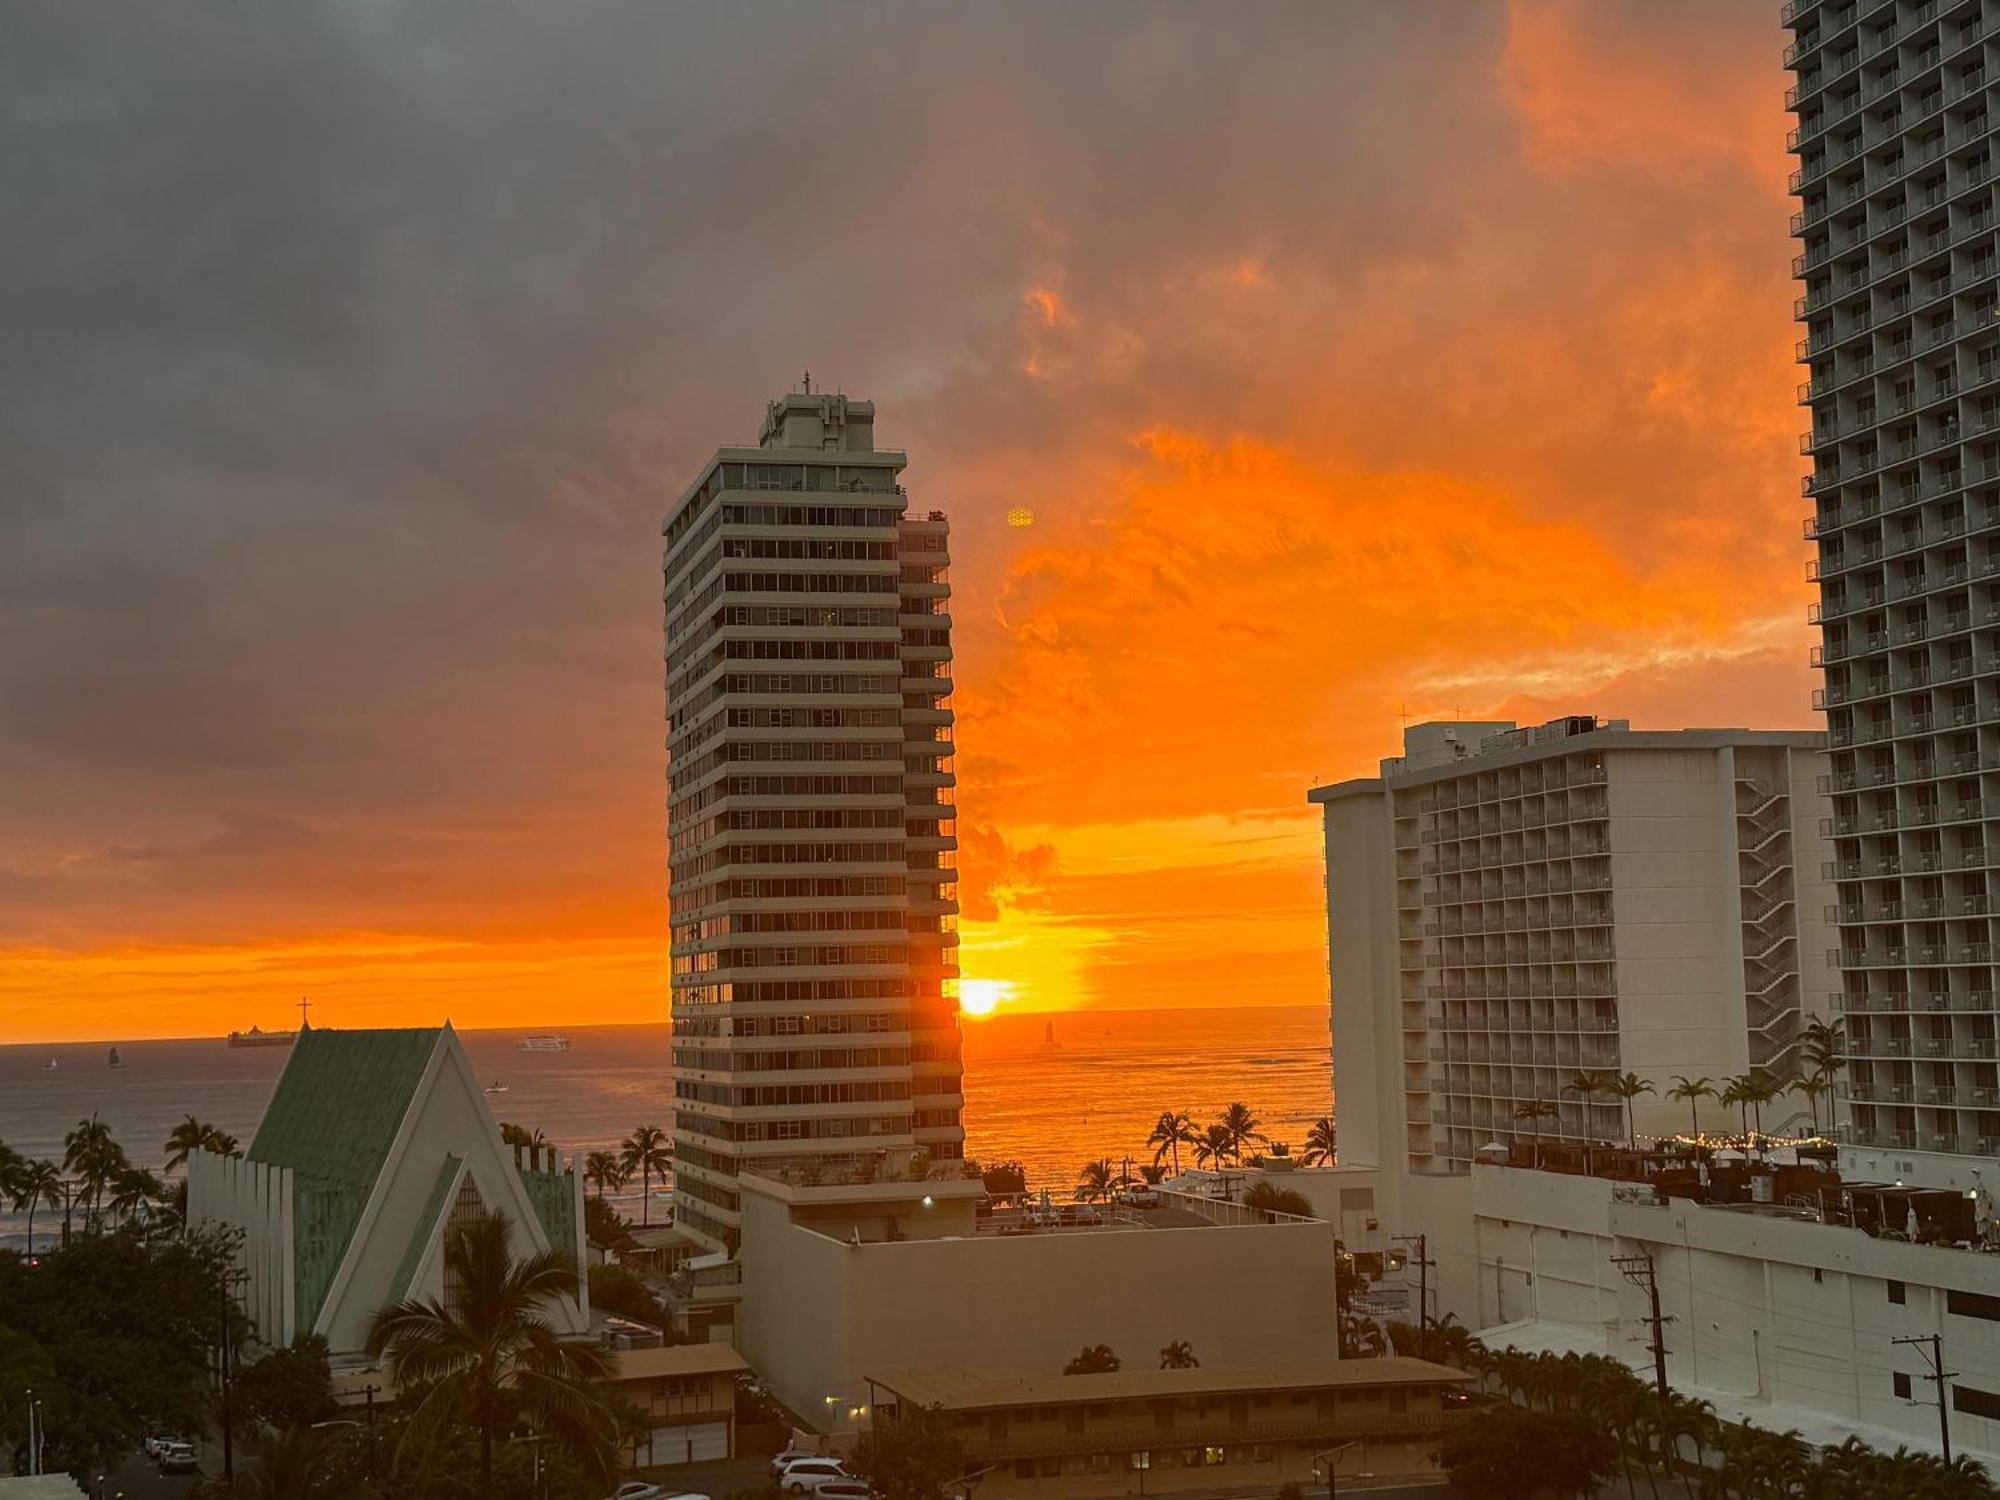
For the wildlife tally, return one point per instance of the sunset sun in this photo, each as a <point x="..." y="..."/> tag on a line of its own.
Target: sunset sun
<point x="982" y="997"/>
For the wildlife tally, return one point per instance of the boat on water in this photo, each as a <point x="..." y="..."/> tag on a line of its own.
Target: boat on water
<point x="256" y="1036"/>
<point x="1049" y="1042"/>
<point x="115" y="1062"/>
<point x="50" y="1066"/>
<point x="546" y="1042"/>
<point x="496" y="1087"/>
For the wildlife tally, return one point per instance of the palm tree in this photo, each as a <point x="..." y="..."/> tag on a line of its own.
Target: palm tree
<point x="647" y="1150"/>
<point x="1094" y="1183"/>
<point x="1823" y="1047"/>
<point x="1320" y="1143"/>
<point x="1170" y="1132"/>
<point x="1242" y="1128"/>
<point x="1093" y="1359"/>
<point x="1535" y="1111"/>
<point x="1691" y="1089"/>
<point x="36" y="1184"/>
<point x="1179" y="1355"/>
<point x="297" y="1464"/>
<point x="1759" y="1089"/>
<point x="1215" y="1147"/>
<point x="90" y="1152"/>
<point x="1628" y="1086"/>
<point x="1814" y="1088"/>
<point x="601" y="1167"/>
<point x="1733" y="1093"/>
<point x="133" y="1188"/>
<point x="485" y="1355"/>
<point x="194" y="1134"/>
<point x="1586" y="1086"/>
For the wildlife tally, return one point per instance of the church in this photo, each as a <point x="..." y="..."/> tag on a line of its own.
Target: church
<point x="373" y="1146"/>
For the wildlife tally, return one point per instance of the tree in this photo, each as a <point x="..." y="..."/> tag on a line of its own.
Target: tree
<point x="1733" y="1094"/>
<point x="1095" y="1181"/>
<point x="915" y="1455"/>
<point x="1005" y="1179"/>
<point x="602" y="1168"/>
<point x="1277" y="1200"/>
<point x="1179" y="1355"/>
<point x="35" y="1184"/>
<point x="1691" y="1089"/>
<point x="520" y="1137"/>
<point x="486" y="1356"/>
<point x="1628" y="1086"/>
<point x="90" y="1152"/>
<point x="295" y="1463"/>
<point x="616" y="1289"/>
<point x="604" y="1225"/>
<point x="1510" y="1453"/>
<point x="1814" y="1089"/>
<point x="194" y="1134"/>
<point x="1242" y="1128"/>
<point x="1215" y="1148"/>
<point x="1320" y="1143"/>
<point x="1586" y="1086"/>
<point x="1823" y="1047"/>
<point x="1093" y="1359"/>
<point x="288" y="1388"/>
<point x="1759" y="1089"/>
<point x="646" y="1150"/>
<point x="1170" y="1132"/>
<point x="129" y="1325"/>
<point x="1537" y="1110"/>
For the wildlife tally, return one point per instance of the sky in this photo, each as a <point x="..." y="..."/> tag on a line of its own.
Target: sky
<point x="1358" y="362"/>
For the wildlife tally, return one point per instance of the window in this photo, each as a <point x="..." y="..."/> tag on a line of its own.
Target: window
<point x="1896" y="1293"/>
<point x="1213" y="1455"/>
<point x="1974" y="1402"/>
<point x="1900" y="1383"/>
<point x="1973" y="1305"/>
<point x="1142" y="1460"/>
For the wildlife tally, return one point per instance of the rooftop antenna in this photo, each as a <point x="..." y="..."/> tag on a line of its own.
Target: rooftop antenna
<point x="1403" y="714"/>
<point x="809" y="382"/>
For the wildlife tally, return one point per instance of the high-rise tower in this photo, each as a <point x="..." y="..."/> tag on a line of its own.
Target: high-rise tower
<point x="1896" y="223"/>
<point x="810" y="819"/>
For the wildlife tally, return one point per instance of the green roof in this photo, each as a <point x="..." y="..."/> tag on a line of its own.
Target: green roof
<point x="342" y="1098"/>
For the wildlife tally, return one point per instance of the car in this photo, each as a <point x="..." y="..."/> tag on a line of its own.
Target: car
<point x="787" y="1456"/>
<point x="806" y="1475"/>
<point x="638" y="1489"/>
<point x="1139" y="1195"/>
<point x="177" y="1458"/>
<point x="158" y="1443"/>
<point x="841" y="1486"/>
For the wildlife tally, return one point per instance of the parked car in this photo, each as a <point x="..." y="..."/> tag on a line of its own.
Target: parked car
<point x="805" y="1476"/>
<point x="1074" y="1214"/>
<point x="827" y="1486"/>
<point x="177" y="1458"/>
<point x="785" y="1457"/>
<point x="1139" y="1195"/>
<point x="638" y="1489"/>
<point x="159" y="1442"/>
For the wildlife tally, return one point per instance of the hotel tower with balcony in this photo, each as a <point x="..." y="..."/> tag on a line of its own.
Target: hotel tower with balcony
<point x="1899" y="243"/>
<point x="810" y="818"/>
<point x="1508" y="908"/>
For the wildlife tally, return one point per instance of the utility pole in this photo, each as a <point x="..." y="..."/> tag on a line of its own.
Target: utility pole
<point x="1424" y="1264"/>
<point x="1638" y="1269"/>
<point x="1934" y="1356"/>
<point x="222" y="1370"/>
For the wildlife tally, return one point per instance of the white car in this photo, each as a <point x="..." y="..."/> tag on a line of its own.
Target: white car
<point x="784" y="1459"/>
<point x="177" y="1458"/>
<point x="158" y="1443"/>
<point x="841" y="1486"/>
<point x="806" y="1475"/>
<point x="638" y="1489"/>
<point x="1139" y="1195"/>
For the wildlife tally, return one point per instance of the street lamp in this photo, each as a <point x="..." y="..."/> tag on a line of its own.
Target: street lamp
<point x="1331" y="1457"/>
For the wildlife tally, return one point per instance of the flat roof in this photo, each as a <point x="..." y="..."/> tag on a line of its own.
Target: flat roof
<point x="678" y="1359"/>
<point x="960" y="1387"/>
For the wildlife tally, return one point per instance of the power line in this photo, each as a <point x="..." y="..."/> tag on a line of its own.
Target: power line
<point x="1934" y="1357"/>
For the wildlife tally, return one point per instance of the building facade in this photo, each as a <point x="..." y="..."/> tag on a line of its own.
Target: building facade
<point x="1031" y="1433"/>
<point x="1508" y="908"/>
<point x="1898" y="254"/>
<point x="373" y="1146"/>
<point x="810" y="815"/>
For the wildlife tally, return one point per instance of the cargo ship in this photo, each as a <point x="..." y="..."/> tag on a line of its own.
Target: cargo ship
<point x="545" y="1043"/>
<point x="257" y="1037"/>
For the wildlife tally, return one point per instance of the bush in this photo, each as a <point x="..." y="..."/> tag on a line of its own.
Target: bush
<point x="1279" y="1200"/>
<point x="617" y="1290"/>
<point x="1509" y="1453"/>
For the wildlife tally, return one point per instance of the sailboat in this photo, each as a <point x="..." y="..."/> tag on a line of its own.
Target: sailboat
<point x="114" y="1059"/>
<point x="1049" y="1042"/>
<point x="50" y="1065"/>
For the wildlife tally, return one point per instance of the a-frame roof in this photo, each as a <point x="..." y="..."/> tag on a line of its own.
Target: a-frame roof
<point x="341" y="1100"/>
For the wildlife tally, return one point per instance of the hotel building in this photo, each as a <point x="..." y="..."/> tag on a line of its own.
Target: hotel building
<point x="1510" y="907"/>
<point x="1898" y="254"/>
<point x="810" y="817"/>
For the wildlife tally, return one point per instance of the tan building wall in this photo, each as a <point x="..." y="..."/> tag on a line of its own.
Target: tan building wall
<point x="819" y="1312"/>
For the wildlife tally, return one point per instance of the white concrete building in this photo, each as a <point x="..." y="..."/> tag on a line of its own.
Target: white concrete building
<point x="1507" y="908"/>
<point x="810" y="817"/>
<point x="373" y="1145"/>
<point x="1899" y="241"/>
<point x="845" y="1279"/>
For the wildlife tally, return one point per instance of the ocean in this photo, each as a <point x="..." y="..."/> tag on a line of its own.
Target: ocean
<point x="1049" y="1091"/>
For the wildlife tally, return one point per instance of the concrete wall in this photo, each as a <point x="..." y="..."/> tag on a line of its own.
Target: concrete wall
<point x="819" y="1315"/>
<point x="1367" y="1036"/>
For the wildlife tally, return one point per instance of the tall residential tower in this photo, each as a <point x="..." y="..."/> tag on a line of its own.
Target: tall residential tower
<point x="1896" y="223"/>
<point x="810" y="818"/>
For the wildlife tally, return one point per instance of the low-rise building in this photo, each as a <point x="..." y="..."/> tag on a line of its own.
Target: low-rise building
<point x="373" y="1145"/>
<point x="687" y="1395"/>
<point x="840" y="1278"/>
<point x="1038" y="1433"/>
